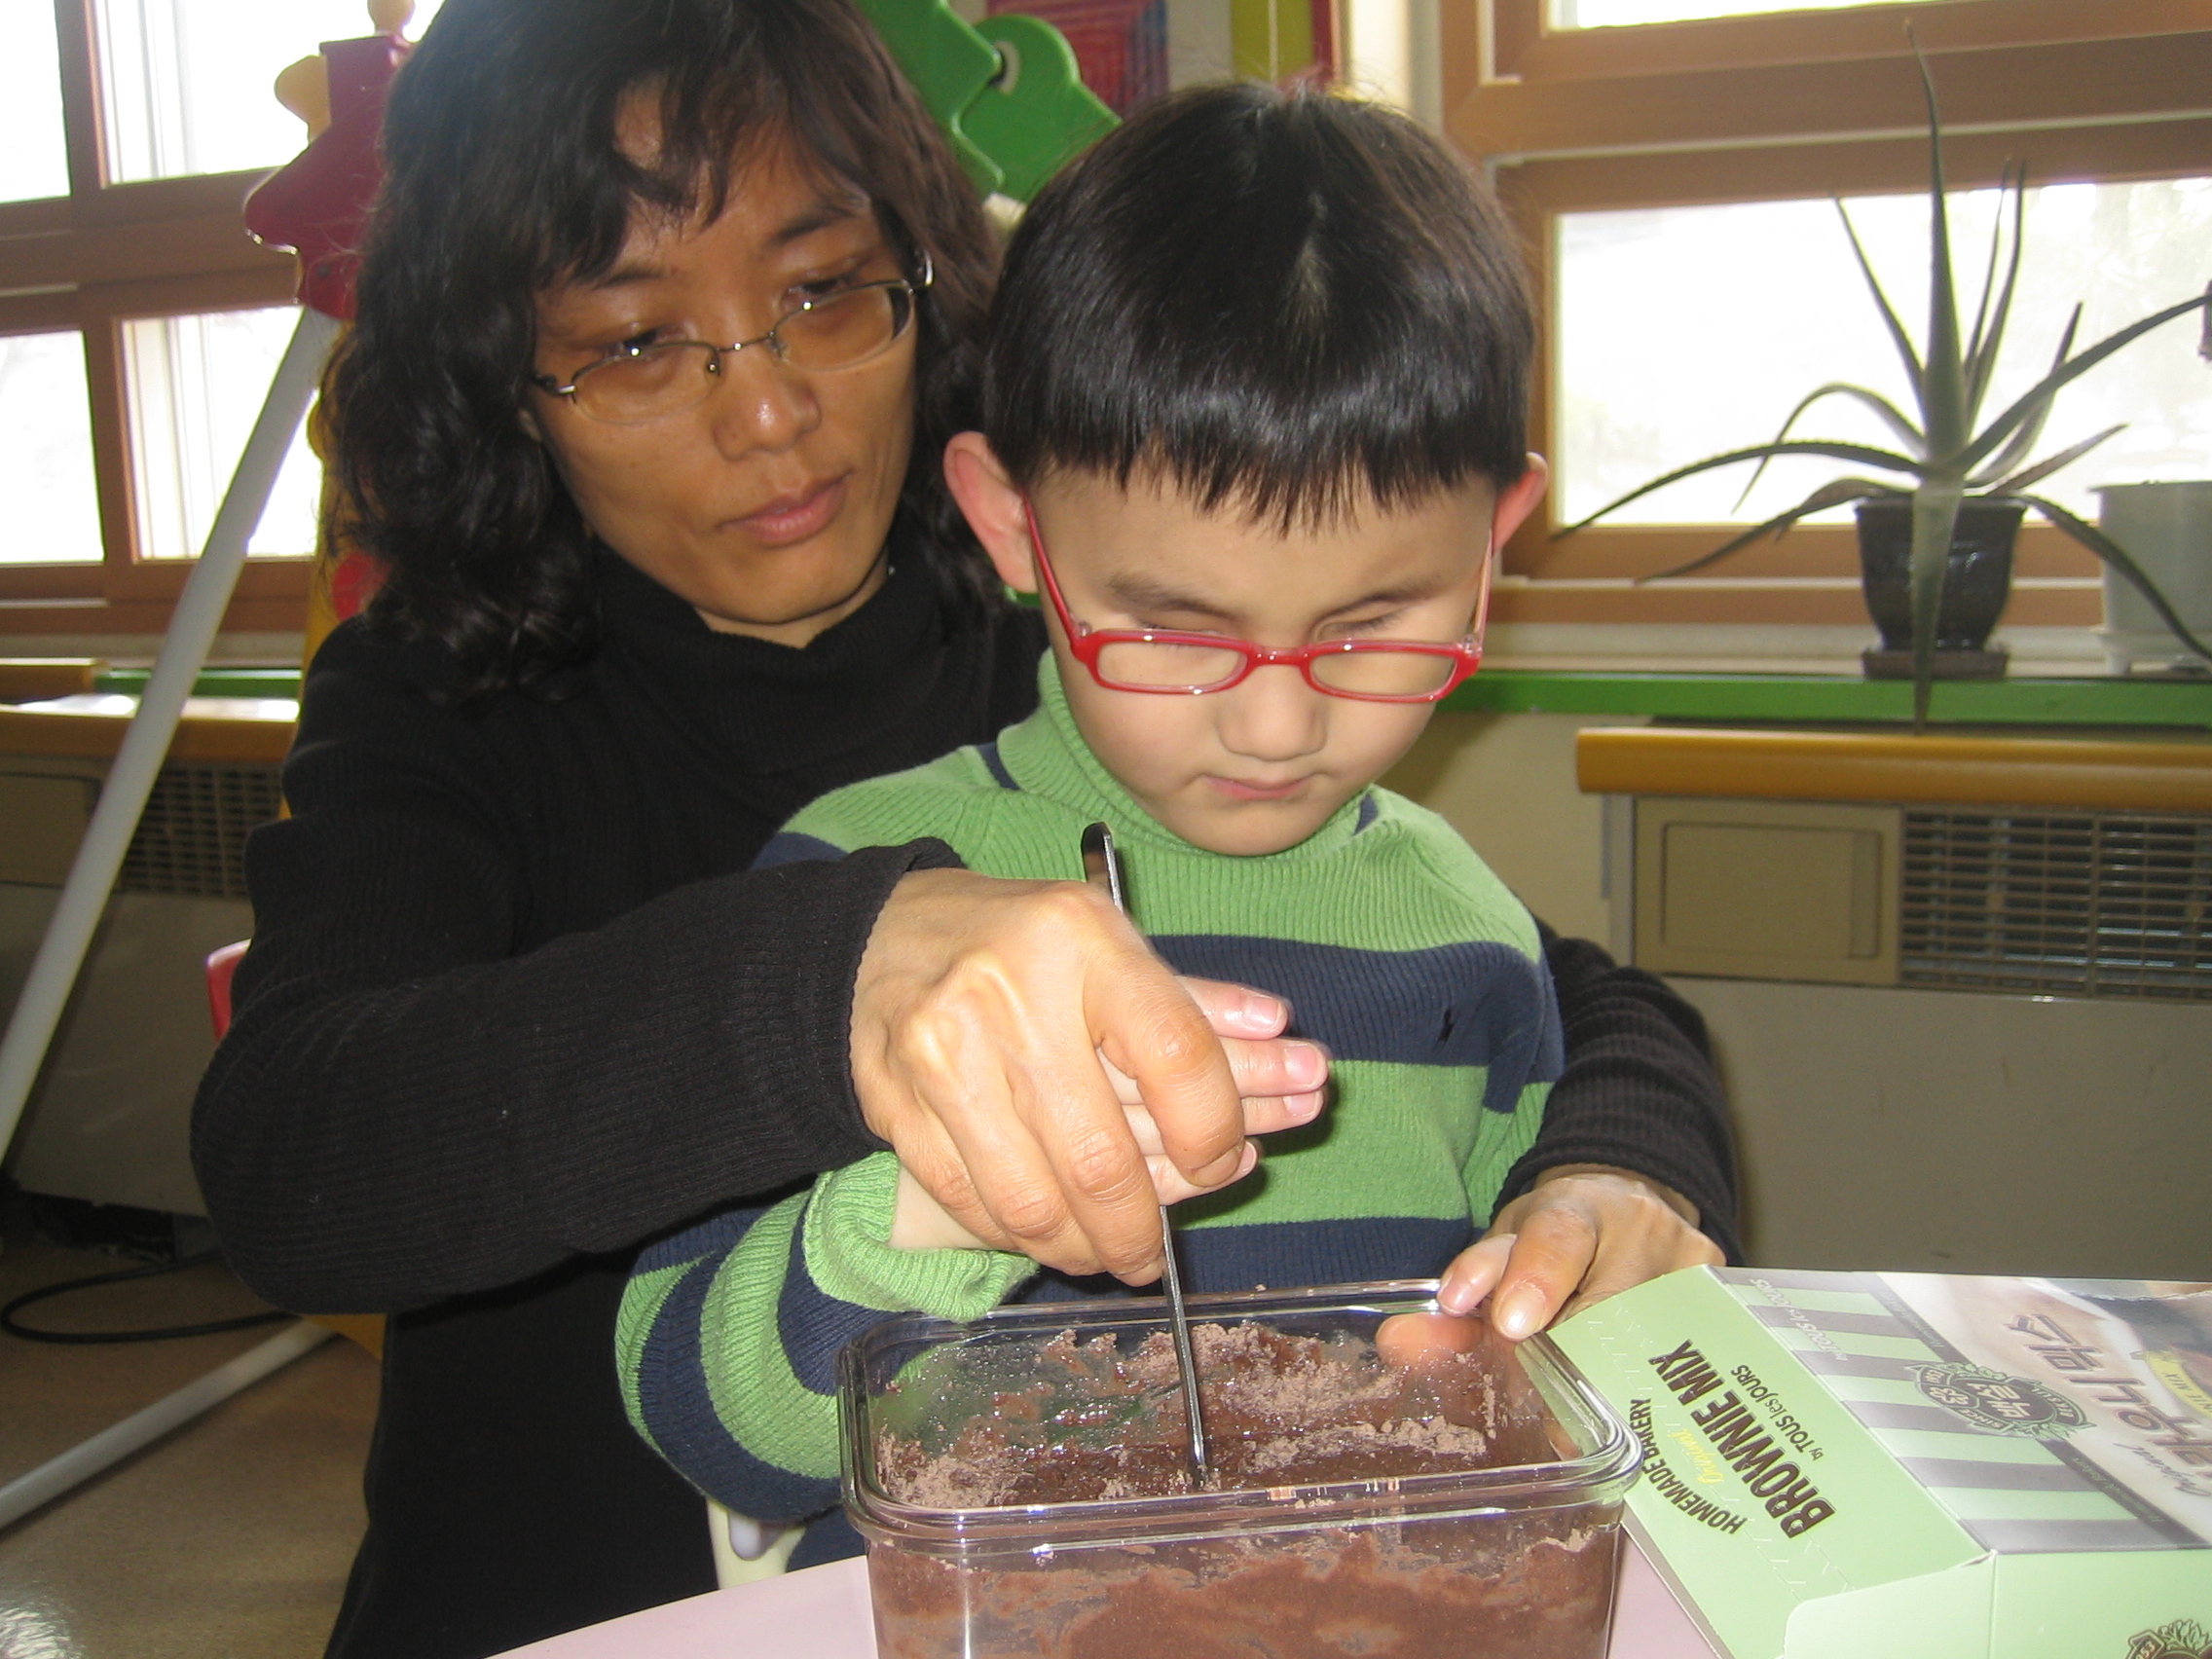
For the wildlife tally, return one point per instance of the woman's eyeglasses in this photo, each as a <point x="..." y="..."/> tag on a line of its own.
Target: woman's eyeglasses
<point x="1167" y="663"/>
<point x="839" y="331"/>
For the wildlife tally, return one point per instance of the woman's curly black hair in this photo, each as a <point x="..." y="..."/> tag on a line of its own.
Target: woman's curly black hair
<point x="503" y="177"/>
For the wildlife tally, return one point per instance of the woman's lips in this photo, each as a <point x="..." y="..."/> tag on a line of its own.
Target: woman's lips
<point x="793" y="517"/>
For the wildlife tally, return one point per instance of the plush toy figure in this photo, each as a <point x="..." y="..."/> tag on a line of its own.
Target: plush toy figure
<point x="316" y="206"/>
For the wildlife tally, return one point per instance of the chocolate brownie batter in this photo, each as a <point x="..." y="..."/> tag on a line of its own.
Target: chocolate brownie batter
<point x="1282" y="1411"/>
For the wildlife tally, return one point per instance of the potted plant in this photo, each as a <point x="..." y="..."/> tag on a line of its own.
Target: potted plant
<point x="1935" y="539"/>
<point x="2168" y="529"/>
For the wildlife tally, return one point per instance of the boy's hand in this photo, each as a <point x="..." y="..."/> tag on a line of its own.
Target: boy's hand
<point x="1583" y="1233"/>
<point x="918" y="1221"/>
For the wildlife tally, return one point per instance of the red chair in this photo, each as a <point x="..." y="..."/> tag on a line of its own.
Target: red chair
<point x="222" y="967"/>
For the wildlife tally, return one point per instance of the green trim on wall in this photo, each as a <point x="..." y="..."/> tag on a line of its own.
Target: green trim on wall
<point x="1836" y="697"/>
<point x="212" y="682"/>
<point x="1669" y="696"/>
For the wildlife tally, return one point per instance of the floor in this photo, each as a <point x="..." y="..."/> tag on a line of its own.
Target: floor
<point x="229" y="1538"/>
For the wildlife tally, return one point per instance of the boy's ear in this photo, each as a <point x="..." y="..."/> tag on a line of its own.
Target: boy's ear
<point x="1517" y="500"/>
<point x="993" y="503"/>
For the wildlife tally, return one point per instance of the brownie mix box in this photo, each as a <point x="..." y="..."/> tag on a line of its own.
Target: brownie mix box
<point x="1914" y="1463"/>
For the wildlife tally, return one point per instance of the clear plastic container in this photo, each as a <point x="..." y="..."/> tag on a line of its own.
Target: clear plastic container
<point x="1515" y="1560"/>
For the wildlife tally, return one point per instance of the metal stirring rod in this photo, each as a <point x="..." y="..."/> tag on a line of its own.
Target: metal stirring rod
<point x="1102" y="869"/>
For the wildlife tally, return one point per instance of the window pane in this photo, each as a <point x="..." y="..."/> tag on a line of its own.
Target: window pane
<point x="1689" y="331"/>
<point x="33" y="159"/>
<point x="187" y="82"/>
<point x="194" y="385"/>
<point x="45" y="438"/>
<point x="1609" y="13"/>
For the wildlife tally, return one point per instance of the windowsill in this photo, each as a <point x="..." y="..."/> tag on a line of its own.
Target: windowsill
<point x="238" y="648"/>
<point x="1810" y="674"/>
<point x="92" y="727"/>
<point x="1765" y="649"/>
<point x="1787" y="675"/>
<point x="2096" y="775"/>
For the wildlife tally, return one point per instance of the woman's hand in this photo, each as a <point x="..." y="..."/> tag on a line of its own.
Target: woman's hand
<point x="1583" y="1233"/>
<point x="918" y="1221"/>
<point x="989" y="1019"/>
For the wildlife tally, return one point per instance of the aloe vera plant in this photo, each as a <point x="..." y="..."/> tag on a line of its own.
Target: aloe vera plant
<point x="1944" y="456"/>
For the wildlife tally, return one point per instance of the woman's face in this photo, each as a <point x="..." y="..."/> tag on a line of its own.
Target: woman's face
<point x="767" y="504"/>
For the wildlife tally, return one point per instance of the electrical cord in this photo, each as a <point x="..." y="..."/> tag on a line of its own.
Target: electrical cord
<point x="32" y="1334"/>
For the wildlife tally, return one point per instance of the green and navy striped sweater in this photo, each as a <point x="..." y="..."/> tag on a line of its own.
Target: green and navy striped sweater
<point x="1397" y="950"/>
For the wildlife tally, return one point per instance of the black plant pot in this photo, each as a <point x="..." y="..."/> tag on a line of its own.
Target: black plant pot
<point x="1977" y="583"/>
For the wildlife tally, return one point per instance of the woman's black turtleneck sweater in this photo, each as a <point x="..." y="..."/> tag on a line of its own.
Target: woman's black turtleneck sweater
<point x="514" y="1006"/>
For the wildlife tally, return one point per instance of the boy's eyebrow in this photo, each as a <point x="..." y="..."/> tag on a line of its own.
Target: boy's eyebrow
<point x="1138" y="594"/>
<point x="1404" y="593"/>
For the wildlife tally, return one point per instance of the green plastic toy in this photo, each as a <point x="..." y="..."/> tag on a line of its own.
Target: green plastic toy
<point x="1036" y="114"/>
<point x="1007" y="95"/>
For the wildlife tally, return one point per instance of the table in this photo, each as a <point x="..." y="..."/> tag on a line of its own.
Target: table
<point x="823" y="1614"/>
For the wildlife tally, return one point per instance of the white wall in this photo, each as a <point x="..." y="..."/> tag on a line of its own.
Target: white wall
<point x="1391" y="52"/>
<point x="1941" y="1131"/>
<point x="1198" y="42"/>
<point x="1506" y="782"/>
<point x="1938" y="1131"/>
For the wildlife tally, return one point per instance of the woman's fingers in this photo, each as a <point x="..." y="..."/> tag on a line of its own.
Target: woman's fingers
<point x="918" y="1221"/>
<point x="1170" y="1188"/>
<point x="979" y="1015"/>
<point x="1584" y="1233"/>
<point x="1049" y="1149"/>
<point x="1149" y="1026"/>
<point x="949" y="995"/>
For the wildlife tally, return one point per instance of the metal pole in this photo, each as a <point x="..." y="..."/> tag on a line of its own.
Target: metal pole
<point x="81" y="1462"/>
<point x="184" y="652"/>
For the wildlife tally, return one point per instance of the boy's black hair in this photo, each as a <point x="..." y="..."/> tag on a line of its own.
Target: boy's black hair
<point x="1294" y="301"/>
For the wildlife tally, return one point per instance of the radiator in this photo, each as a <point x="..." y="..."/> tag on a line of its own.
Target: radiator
<point x="109" y="1120"/>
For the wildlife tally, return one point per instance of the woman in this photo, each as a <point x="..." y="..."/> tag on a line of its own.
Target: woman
<point x="515" y="1004"/>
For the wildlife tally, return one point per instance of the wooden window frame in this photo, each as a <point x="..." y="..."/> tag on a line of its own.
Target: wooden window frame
<point x="1790" y="106"/>
<point x="90" y="261"/>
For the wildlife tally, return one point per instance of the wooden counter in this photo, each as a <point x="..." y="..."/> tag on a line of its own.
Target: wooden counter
<point x="2090" y="774"/>
<point x="254" y="730"/>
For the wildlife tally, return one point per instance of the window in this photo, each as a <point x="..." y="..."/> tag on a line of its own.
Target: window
<point x="1689" y="331"/>
<point x="33" y="159"/>
<point x="1669" y="163"/>
<point x="139" y="323"/>
<point x="185" y="83"/>
<point x="193" y="386"/>
<point x="45" y="438"/>
<point x="1617" y="13"/>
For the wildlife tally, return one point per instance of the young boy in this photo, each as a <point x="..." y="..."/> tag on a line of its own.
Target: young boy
<point x="1255" y="407"/>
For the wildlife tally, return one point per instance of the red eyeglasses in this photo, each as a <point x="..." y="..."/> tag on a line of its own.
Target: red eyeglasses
<point x="1166" y="663"/>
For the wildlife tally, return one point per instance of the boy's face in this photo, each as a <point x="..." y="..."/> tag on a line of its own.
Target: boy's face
<point x="1260" y="766"/>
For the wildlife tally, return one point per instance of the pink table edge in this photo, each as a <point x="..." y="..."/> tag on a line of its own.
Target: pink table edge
<point x="823" y="1614"/>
